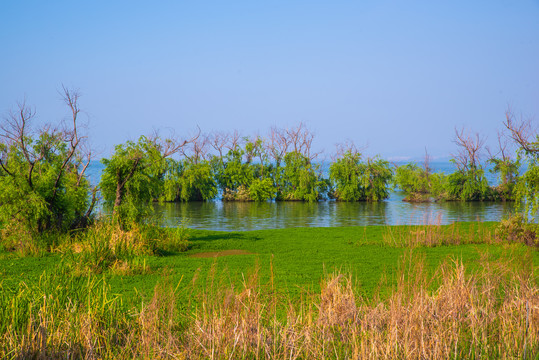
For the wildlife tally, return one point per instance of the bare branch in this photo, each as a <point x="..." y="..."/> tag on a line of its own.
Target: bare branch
<point x="523" y="133"/>
<point x="347" y="147"/>
<point x="469" y="150"/>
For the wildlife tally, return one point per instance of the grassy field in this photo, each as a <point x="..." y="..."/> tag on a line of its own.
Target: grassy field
<point x="299" y="257"/>
<point x="279" y="278"/>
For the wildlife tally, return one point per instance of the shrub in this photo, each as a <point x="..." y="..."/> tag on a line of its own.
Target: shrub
<point x="518" y="229"/>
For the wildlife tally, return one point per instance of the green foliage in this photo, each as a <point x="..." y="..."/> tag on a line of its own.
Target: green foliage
<point x="106" y="246"/>
<point x="300" y="180"/>
<point x="468" y="185"/>
<point x="376" y="179"/>
<point x="262" y="190"/>
<point x="508" y="173"/>
<point x="232" y="172"/>
<point x="242" y="179"/>
<point x="174" y="239"/>
<point x="189" y="181"/>
<point x="355" y="180"/>
<point x="42" y="194"/>
<point x="132" y="179"/>
<point x="527" y="188"/>
<point x="43" y="188"/>
<point x="58" y="292"/>
<point x="418" y="184"/>
<point x="411" y="178"/>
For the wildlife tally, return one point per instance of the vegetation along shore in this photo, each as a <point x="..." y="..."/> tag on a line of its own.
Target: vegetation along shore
<point x="78" y="284"/>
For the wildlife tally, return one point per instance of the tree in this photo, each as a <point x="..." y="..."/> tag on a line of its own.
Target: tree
<point x="244" y="172"/>
<point x="134" y="175"/>
<point x="468" y="183"/>
<point x="294" y="173"/>
<point x="526" y="136"/>
<point x="189" y="181"/>
<point x="506" y="168"/>
<point x="355" y="180"/>
<point x="419" y="183"/>
<point x="43" y="186"/>
<point x="192" y="178"/>
<point x="300" y="180"/>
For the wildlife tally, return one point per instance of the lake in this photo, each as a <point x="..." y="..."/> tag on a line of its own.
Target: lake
<point x="234" y="216"/>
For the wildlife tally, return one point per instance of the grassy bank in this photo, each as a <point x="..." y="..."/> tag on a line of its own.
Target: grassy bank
<point x="375" y="292"/>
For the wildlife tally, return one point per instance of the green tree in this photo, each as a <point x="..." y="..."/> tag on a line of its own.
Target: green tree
<point x="189" y="181"/>
<point x="43" y="186"/>
<point x="134" y="176"/>
<point x="526" y="137"/>
<point x="300" y="179"/>
<point x="355" y="180"/>
<point x="507" y="169"/>
<point x="244" y="173"/>
<point x="418" y="183"/>
<point x="468" y="183"/>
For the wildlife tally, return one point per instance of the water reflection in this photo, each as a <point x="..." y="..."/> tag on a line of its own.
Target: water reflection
<point x="232" y="216"/>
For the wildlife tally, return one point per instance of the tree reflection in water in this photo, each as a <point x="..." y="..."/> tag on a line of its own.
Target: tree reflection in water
<point x="232" y="216"/>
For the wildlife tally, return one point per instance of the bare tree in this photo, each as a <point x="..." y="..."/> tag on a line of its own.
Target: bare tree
<point x="298" y="139"/>
<point x="277" y="145"/>
<point x="469" y="154"/>
<point x="347" y="147"/>
<point x="197" y="149"/>
<point x="523" y="132"/>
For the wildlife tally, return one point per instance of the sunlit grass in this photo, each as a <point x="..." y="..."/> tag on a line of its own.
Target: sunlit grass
<point x="451" y="291"/>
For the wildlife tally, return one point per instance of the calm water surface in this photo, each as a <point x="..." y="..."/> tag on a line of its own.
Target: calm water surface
<point x="231" y="216"/>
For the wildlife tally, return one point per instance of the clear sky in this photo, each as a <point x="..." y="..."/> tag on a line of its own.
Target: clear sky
<point x="397" y="76"/>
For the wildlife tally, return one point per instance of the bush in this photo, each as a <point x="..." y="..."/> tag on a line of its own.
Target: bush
<point x="518" y="229"/>
<point x="106" y="246"/>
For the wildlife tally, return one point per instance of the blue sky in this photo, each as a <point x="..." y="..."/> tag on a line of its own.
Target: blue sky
<point x="397" y="76"/>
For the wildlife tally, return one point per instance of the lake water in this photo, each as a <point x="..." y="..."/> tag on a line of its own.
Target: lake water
<point x="232" y="216"/>
<point x="217" y="215"/>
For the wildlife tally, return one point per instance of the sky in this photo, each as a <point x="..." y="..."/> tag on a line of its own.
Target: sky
<point x="394" y="77"/>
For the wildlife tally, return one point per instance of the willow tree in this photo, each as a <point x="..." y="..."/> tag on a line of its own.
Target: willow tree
<point x="356" y="180"/>
<point x="134" y="176"/>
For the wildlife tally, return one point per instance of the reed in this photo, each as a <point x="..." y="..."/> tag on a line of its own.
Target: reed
<point x="437" y="234"/>
<point x="492" y="312"/>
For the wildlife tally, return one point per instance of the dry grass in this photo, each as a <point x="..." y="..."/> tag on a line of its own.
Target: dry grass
<point x="450" y="314"/>
<point x="438" y="235"/>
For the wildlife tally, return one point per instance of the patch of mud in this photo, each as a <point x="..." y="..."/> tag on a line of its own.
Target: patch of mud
<point x="211" y="254"/>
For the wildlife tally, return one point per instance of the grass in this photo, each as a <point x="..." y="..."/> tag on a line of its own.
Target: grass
<point x="374" y="292"/>
<point x="300" y="257"/>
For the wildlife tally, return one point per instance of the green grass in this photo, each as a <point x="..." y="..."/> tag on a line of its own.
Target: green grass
<point x="332" y="285"/>
<point x="299" y="258"/>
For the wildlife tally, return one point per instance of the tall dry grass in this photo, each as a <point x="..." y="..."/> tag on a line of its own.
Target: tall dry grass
<point x="437" y="234"/>
<point x="493" y="313"/>
<point x="451" y="313"/>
